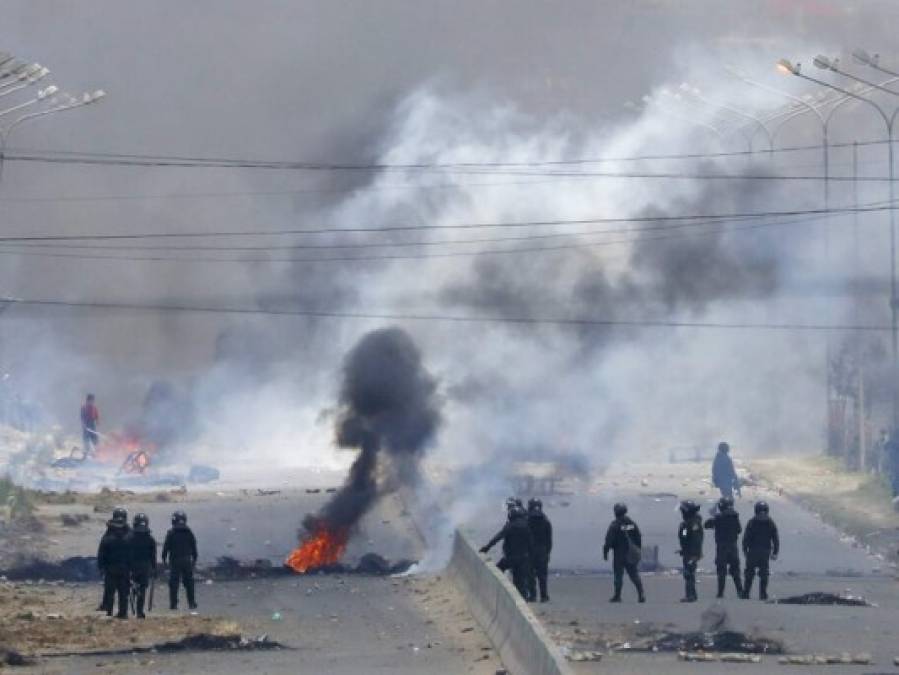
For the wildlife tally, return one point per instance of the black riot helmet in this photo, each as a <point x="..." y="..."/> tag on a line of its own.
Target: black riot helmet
<point x="725" y="503"/>
<point x="535" y="505"/>
<point x="724" y="447"/>
<point x="119" y="516"/>
<point x="620" y="510"/>
<point x="517" y="512"/>
<point x="141" y="523"/>
<point x="761" y="508"/>
<point x="688" y="507"/>
<point x="179" y="518"/>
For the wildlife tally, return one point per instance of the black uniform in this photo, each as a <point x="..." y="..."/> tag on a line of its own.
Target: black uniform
<point x="542" y="535"/>
<point x="690" y="535"/>
<point x="760" y="542"/>
<point x="180" y="552"/>
<point x="114" y="561"/>
<point x="143" y="565"/>
<point x="724" y="475"/>
<point x="623" y="538"/>
<point x="727" y="555"/>
<point x="518" y="547"/>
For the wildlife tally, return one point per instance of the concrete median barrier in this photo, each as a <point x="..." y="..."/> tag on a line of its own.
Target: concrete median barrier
<point x="515" y="632"/>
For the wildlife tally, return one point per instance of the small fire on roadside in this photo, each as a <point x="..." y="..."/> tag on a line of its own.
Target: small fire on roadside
<point x="128" y="452"/>
<point x="325" y="546"/>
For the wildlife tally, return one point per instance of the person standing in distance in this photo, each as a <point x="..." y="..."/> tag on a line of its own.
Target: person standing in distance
<point x="690" y="535"/>
<point x="624" y="540"/>
<point x="180" y="553"/>
<point x="90" y="418"/>
<point x="518" y="547"/>
<point x="726" y="523"/>
<point x="724" y="475"/>
<point x="143" y="560"/>
<point x="542" y="535"/>
<point x="761" y="543"/>
<point x="114" y="561"/>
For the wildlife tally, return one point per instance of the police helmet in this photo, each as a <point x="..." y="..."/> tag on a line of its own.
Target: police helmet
<point x="723" y="447"/>
<point x="517" y="512"/>
<point x="179" y="518"/>
<point x="725" y="503"/>
<point x="760" y="508"/>
<point x="688" y="507"/>
<point x="141" y="523"/>
<point x="120" y="515"/>
<point x="620" y="509"/>
<point x="535" y="505"/>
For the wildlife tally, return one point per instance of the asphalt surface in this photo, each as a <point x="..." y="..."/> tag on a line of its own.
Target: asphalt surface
<point x="337" y="624"/>
<point x="814" y="557"/>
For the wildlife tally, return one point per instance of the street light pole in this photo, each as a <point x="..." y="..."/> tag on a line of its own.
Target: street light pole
<point x="86" y="99"/>
<point x="889" y="121"/>
<point x="696" y="94"/>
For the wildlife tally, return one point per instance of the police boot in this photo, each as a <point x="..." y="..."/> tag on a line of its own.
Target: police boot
<point x="747" y="584"/>
<point x="173" y="599"/>
<point x="763" y="588"/>
<point x="641" y="597"/>
<point x="721" y="581"/>
<point x="617" y="596"/>
<point x="738" y="583"/>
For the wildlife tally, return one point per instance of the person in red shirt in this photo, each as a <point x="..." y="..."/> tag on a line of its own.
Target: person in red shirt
<point x="90" y="418"/>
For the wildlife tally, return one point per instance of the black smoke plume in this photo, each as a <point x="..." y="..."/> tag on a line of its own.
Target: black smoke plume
<point x="388" y="409"/>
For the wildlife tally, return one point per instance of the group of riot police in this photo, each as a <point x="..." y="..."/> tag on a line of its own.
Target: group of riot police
<point x="127" y="560"/>
<point x="527" y="540"/>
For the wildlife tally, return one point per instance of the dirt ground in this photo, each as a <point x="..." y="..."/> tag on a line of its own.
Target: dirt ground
<point x="858" y="504"/>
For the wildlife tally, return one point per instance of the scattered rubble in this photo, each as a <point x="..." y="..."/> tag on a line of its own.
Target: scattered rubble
<point x="826" y="660"/>
<point x="73" y="519"/>
<point x="708" y="657"/>
<point x="726" y="641"/>
<point x="371" y="564"/>
<point x="820" y="598"/>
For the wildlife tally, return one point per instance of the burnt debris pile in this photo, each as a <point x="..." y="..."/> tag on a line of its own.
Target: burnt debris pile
<point x="728" y="641"/>
<point x="820" y="598"/>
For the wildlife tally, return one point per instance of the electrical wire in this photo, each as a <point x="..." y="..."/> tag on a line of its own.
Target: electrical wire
<point x="581" y="322"/>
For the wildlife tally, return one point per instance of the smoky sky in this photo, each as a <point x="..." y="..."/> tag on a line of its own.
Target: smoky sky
<point x="323" y="81"/>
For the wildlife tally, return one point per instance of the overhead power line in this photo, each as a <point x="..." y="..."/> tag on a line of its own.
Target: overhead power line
<point x="420" y="256"/>
<point x="65" y="156"/>
<point x="447" y="227"/>
<point x="579" y="322"/>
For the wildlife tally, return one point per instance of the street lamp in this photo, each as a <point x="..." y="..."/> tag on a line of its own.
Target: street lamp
<point x="72" y="102"/>
<point x="649" y="100"/>
<point x="696" y="94"/>
<point x="866" y="59"/>
<point x="889" y="121"/>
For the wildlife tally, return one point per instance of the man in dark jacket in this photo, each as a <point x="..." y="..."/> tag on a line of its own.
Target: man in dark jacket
<point x="517" y="548"/>
<point x="690" y="535"/>
<point x="180" y="553"/>
<point x="724" y="475"/>
<point x="542" y="535"/>
<point x="143" y="560"/>
<point x="761" y="543"/>
<point x="623" y="538"/>
<point x="114" y="559"/>
<point x="726" y="523"/>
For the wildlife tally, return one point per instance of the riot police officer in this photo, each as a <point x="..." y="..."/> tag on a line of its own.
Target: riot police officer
<point x="180" y="552"/>
<point x="143" y="560"/>
<point x="542" y="535"/>
<point x="517" y="548"/>
<point x="726" y="523"/>
<point x="761" y="543"/>
<point x="114" y="561"/>
<point x="623" y="538"/>
<point x="690" y="536"/>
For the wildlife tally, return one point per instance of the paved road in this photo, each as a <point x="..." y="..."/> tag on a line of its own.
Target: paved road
<point x="815" y="557"/>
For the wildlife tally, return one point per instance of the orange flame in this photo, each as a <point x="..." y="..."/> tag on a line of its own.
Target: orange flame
<point x="125" y="451"/>
<point x="324" y="547"/>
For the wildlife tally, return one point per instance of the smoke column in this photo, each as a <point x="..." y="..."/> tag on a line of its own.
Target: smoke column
<point x="387" y="408"/>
